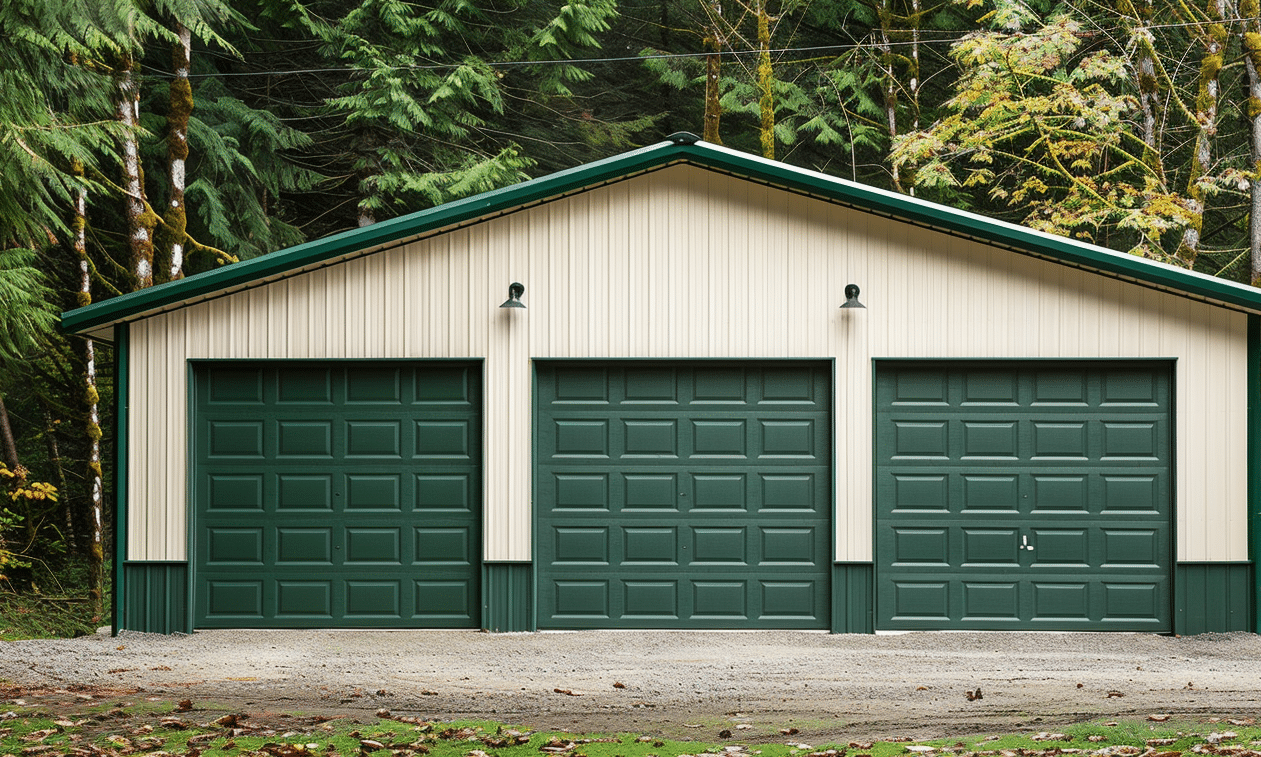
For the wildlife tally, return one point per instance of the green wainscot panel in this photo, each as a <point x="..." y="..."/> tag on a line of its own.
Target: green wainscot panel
<point x="337" y="494"/>
<point x="683" y="494"/>
<point x="155" y="597"/>
<point x="1213" y="598"/>
<point x="1023" y="495"/>
<point x="507" y="589"/>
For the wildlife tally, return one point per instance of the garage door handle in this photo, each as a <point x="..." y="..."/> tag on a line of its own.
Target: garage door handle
<point x="1024" y="543"/>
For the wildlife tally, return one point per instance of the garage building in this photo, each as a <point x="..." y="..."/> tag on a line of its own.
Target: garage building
<point x="691" y="423"/>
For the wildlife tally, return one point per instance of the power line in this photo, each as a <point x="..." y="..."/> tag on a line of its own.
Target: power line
<point x="668" y="56"/>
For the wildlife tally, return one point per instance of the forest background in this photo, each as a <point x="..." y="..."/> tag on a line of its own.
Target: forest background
<point x="145" y="140"/>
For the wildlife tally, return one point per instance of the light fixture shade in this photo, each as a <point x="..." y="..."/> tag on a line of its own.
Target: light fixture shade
<point x="515" y="291"/>
<point x="851" y="297"/>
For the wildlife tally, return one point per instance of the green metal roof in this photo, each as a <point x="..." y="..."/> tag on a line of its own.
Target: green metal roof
<point x="684" y="149"/>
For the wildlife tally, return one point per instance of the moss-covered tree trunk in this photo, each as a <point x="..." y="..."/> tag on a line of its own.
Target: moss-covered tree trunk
<point x="715" y="42"/>
<point x="765" y="80"/>
<point x="140" y="219"/>
<point x="1250" y="12"/>
<point x="889" y="86"/>
<point x="170" y="236"/>
<point x="1213" y="37"/>
<point x="92" y="398"/>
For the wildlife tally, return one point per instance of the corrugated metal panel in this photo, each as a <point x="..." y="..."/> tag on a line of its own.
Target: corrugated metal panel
<point x="689" y="263"/>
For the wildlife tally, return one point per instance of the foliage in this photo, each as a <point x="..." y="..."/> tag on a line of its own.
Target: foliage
<point x="1045" y="127"/>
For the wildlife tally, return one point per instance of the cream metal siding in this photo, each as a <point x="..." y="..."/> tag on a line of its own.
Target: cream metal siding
<point x="684" y="263"/>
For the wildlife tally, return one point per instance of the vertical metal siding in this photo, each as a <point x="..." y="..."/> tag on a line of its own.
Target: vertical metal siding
<point x="688" y="263"/>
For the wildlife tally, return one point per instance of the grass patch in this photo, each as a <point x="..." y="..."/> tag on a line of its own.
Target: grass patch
<point x="179" y="729"/>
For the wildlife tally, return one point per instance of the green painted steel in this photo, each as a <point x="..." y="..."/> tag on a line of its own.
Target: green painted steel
<point x="507" y="589"/>
<point x="853" y="598"/>
<point x="683" y="495"/>
<point x="1031" y="495"/>
<point x="1254" y="464"/>
<point x="911" y="209"/>
<point x="122" y="439"/>
<point x="157" y="597"/>
<point x="337" y="494"/>
<point x="1212" y="598"/>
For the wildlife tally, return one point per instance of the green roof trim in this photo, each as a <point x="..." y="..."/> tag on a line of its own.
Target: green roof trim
<point x="903" y="207"/>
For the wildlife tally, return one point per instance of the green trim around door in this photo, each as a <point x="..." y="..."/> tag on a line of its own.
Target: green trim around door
<point x="337" y="494"/>
<point x="122" y="441"/>
<point x="1024" y="495"/>
<point x="683" y="494"/>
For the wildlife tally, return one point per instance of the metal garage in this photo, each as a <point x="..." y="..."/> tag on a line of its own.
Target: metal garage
<point x="681" y="420"/>
<point x="337" y="494"/>
<point x="683" y="495"/>
<point x="1023" y="495"/>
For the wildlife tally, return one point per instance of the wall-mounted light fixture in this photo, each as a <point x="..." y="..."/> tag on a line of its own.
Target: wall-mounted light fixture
<point x="515" y="291"/>
<point x="851" y="297"/>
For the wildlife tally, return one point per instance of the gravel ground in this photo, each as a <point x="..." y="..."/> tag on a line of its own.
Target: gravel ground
<point x="831" y="687"/>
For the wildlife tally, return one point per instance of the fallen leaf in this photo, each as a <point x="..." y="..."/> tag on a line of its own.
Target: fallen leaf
<point x="1114" y="694"/>
<point x="383" y="713"/>
<point x="743" y="727"/>
<point x="1217" y="738"/>
<point x="227" y="721"/>
<point x="1080" y="685"/>
<point x="619" y="685"/>
<point x="973" y="695"/>
<point x="428" y="693"/>
<point x="789" y="731"/>
<point x="921" y="688"/>
<point x="860" y="745"/>
<point x="1158" y="718"/>
<point x="1047" y="736"/>
<point x="184" y="705"/>
<point x="1243" y="721"/>
<point x="369" y="745"/>
<point x="1161" y="742"/>
<point x="920" y="749"/>
<point x="566" y="692"/>
<point x="1096" y="738"/>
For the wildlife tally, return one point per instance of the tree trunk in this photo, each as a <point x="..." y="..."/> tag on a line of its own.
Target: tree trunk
<point x="6" y="438"/>
<point x="140" y="219"/>
<point x="713" y="72"/>
<point x="1250" y="11"/>
<point x="170" y="236"/>
<point x="1213" y="38"/>
<point x="54" y="457"/>
<point x="765" y="78"/>
<point x="889" y="90"/>
<point x="95" y="475"/>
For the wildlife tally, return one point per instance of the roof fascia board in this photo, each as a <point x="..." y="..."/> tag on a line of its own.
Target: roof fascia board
<point x="872" y="199"/>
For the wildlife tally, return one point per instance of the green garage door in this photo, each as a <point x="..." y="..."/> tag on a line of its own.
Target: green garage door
<point x="683" y="495"/>
<point x="1030" y="495"/>
<point x="337" y="494"/>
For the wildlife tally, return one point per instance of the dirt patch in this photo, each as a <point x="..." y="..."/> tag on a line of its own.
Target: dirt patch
<point x="831" y="688"/>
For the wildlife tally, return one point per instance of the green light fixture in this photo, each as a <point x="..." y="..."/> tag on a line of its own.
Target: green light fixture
<point x="851" y="297"/>
<point x="515" y="291"/>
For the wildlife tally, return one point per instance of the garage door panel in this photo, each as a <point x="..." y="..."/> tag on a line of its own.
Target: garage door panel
<point x="331" y="525"/>
<point x="679" y="496"/>
<point x="1068" y="489"/>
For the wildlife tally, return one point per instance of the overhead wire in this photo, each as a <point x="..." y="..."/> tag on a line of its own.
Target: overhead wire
<point x="924" y="40"/>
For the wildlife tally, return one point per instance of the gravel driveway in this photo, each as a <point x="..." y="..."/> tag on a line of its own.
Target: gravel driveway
<point x="831" y="687"/>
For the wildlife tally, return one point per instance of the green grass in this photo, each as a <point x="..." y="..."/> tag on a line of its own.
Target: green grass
<point x="126" y="729"/>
